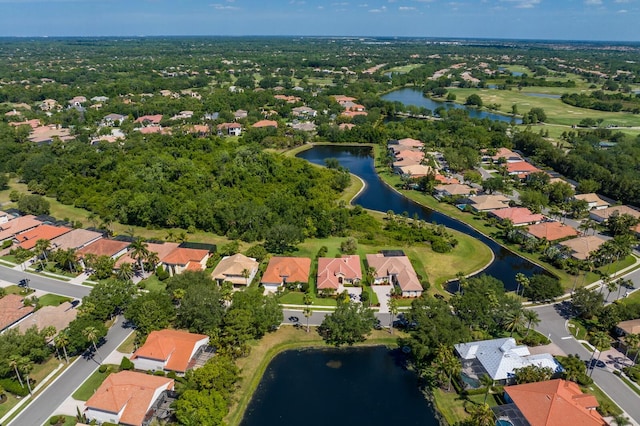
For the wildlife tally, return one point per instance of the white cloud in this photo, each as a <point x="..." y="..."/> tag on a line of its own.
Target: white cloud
<point x="406" y="8"/>
<point x="623" y="11"/>
<point x="524" y="4"/>
<point x="218" y="6"/>
<point x="380" y="10"/>
<point x="593" y="2"/>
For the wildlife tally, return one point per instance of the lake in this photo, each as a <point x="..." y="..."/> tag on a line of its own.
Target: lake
<point x="409" y="96"/>
<point x="338" y="387"/>
<point x="378" y="196"/>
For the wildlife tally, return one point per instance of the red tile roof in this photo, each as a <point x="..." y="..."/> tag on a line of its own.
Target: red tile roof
<point x="162" y="250"/>
<point x="446" y="180"/>
<point x="294" y="269"/>
<point x="331" y="269"/>
<point x="518" y="215"/>
<point x="552" y="231"/>
<point x="521" y="167"/>
<point x="103" y="247"/>
<point x="183" y="256"/>
<point x="12" y="309"/>
<point x="171" y="346"/>
<point x="17" y="225"/>
<point x="28" y="239"/>
<point x="129" y="392"/>
<point x="265" y="123"/>
<point x="555" y="403"/>
<point x="155" y="119"/>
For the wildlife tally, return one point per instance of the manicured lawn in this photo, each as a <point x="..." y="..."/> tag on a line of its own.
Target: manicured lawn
<point x="603" y="399"/>
<point x="8" y="404"/>
<point x="263" y="351"/>
<point x="404" y="68"/>
<point x="128" y="345"/>
<point x="90" y="385"/>
<point x="14" y="289"/>
<point x="297" y="298"/>
<point x="68" y="421"/>
<point x="52" y="300"/>
<point x="450" y="405"/>
<point x="577" y="329"/>
<point x="153" y="284"/>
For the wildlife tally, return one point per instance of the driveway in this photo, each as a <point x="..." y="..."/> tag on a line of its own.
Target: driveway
<point x="383" y="292"/>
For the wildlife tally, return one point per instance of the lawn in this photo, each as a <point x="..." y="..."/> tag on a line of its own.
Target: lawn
<point x="577" y="329"/>
<point x="68" y="421"/>
<point x="297" y="298"/>
<point x="603" y="399"/>
<point x="128" y="345"/>
<point x="14" y="289"/>
<point x="153" y="284"/>
<point x="86" y="389"/>
<point x="263" y="351"/>
<point x="403" y="69"/>
<point x="52" y="300"/>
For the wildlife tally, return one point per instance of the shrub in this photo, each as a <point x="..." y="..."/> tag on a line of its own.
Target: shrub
<point x="584" y="380"/>
<point x="172" y="375"/>
<point x="14" y="387"/>
<point x="439" y="245"/>
<point x="162" y="274"/>
<point x="7" y="244"/>
<point x="126" y="364"/>
<point x="158" y="373"/>
<point x="103" y="368"/>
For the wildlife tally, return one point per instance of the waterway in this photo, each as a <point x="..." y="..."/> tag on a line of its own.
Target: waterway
<point x="338" y="387"/>
<point x="378" y="196"/>
<point x="409" y="96"/>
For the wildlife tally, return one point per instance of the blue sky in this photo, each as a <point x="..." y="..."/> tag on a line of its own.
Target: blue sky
<point x="617" y="20"/>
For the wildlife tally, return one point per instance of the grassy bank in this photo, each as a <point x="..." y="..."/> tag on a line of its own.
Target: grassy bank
<point x="286" y="338"/>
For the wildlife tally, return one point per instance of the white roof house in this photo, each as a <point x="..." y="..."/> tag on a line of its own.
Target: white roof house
<point x="500" y="357"/>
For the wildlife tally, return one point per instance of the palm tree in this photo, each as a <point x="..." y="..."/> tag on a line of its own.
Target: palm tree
<point x="611" y="287"/>
<point x="125" y="272"/>
<point x="14" y="362"/>
<point x="461" y="280"/>
<point x="514" y="321"/>
<point x="139" y="250"/>
<point x="487" y="382"/>
<point x="392" y="304"/>
<point x="152" y="260"/>
<point x="600" y="340"/>
<point x="621" y="420"/>
<point x="61" y="341"/>
<point x="25" y="367"/>
<point x="42" y="248"/>
<point x="447" y="363"/>
<point x="482" y="415"/>
<point x="532" y="318"/>
<point x="246" y="274"/>
<point x="523" y="281"/>
<point x="307" y="312"/>
<point x="631" y="340"/>
<point x="91" y="333"/>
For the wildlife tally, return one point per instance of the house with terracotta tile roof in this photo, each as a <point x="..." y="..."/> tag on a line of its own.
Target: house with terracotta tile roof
<point x="411" y="143"/>
<point x="113" y="119"/>
<point x="594" y="201"/>
<point x="506" y="155"/>
<point x="521" y="169"/>
<point x="407" y="157"/>
<point x="200" y="130"/>
<point x="169" y="350"/>
<point x="126" y="397"/>
<point x="604" y="214"/>
<point x="334" y="272"/>
<point x="57" y="316"/>
<point x="549" y="403"/>
<point x="551" y="231"/>
<point x="28" y="239"/>
<point x="11" y="228"/>
<point x="282" y="270"/>
<point x="149" y="120"/>
<point x="341" y="99"/>
<point x="231" y="129"/>
<point x="396" y="270"/>
<point x="160" y="249"/>
<point x="485" y="203"/>
<point x="519" y="216"/>
<point x="304" y="111"/>
<point x="185" y="259"/>
<point x="582" y="247"/>
<point x="34" y="123"/>
<point x="265" y="123"/>
<point x="237" y="269"/>
<point x="75" y="239"/>
<point x="12" y="310"/>
<point x="47" y="134"/>
<point x="104" y="247"/>
<point x="452" y="190"/>
<point x="445" y="180"/>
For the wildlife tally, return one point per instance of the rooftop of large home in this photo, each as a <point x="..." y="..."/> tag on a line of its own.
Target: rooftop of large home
<point x="237" y="269"/>
<point x="488" y="202"/>
<point x="582" y="247"/>
<point x="593" y="200"/>
<point x="398" y="267"/>
<point x="500" y="357"/>
<point x="128" y="395"/>
<point x="28" y="239"/>
<point x="334" y="271"/>
<point x="521" y="168"/>
<point x="183" y="256"/>
<point x="104" y="247"/>
<point x="414" y="170"/>
<point x="454" y="189"/>
<point x="161" y="249"/>
<point x="551" y="231"/>
<point x="410" y="143"/>
<point x="604" y="214"/>
<point x="265" y="123"/>
<point x="555" y="403"/>
<point x="57" y="316"/>
<point x="149" y="119"/>
<point x="46" y="134"/>
<point x="12" y="310"/>
<point x="174" y="347"/>
<point x="19" y="224"/>
<point x="630" y="326"/>
<point x="518" y="215"/>
<point x="506" y="154"/>
<point x="289" y="269"/>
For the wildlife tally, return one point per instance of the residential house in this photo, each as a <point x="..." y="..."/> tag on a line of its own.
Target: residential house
<point x="183" y="115"/>
<point x="200" y="130"/>
<point x="28" y="239"/>
<point x="342" y="99"/>
<point x="499" y="358"/>
<point x="12" y="310"/>
<point x="126" y="398"/>
<point x="46" y="134"/>
<point x="75" y="239"/>
<point x="335" y="272"/>
<point x="57" y="316"/>
<point x="304" y="111"/>
<point x="521" y="169"/>
<point x="485" y="203"/>
<point x="162" y="250"/>
<point x="5" y="217"/>
<point x="186" y="259"/>
<point x="77" y="101"/>
<point x="594" y="201"/>
<point x="169" y="350"/>
<point x="283" y="270"/>
<point x="519" y="216"/>
<point x="410" y="143"/>
<point x="12" y="227"/>
<point x="265" y="124"/>
<point x="604" y="214"/>
<point x="306" y="126"/>
<point x="551" y="231"/>
<point x="408" y="157"/>
<point x="50" y="105"/>
<point x="240" y="114"/>
<point x="445" y="180"/>
<point x="628" y="327"/>
<point x="346" y="126"/>
<point x="549" y="403"/>
<point x="414" y="171"/>
<point x="237" y="269"/>
<point x="505" y="155"/>
<point x="113" y="119"/>
<point x="581" y="248"/>
<point x="33" y="123"/>
<point x="154" y="130"/>
<point x="149" y="120"/>
<point x="396" y="270"/>
<point x="455" y="190"/>
<point x="231" y="129"/>
<point x="99" y="99"/>
<point x="104" y="247"/>
<point x="288" y="99"/>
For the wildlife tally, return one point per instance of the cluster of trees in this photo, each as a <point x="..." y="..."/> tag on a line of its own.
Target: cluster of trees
<point x="602" y="101"/>
<point x="18" y="355"/>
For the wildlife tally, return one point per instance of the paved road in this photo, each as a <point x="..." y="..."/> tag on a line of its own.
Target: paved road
<point x="43" y="407"/>
<point x="45" y="284"/>
<point x="316" y="318"/>
<point x="552" y="324"/>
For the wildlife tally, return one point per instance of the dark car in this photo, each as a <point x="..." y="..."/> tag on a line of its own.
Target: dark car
<point x="24" y="282"/>
<point x="595" y="363"/>
<point x="294" y="319"/>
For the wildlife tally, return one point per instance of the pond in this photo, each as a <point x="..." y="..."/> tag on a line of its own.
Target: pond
<point x="543" y="95"/>
<point x="409" y="96"/>
<point x="338" y="387"/>
<point x="378" y="196"/>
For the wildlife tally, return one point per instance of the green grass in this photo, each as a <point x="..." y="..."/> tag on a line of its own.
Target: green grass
<point x="154" y="284"/>
<point x="297" y="298"/>
<point x="52" y="300"/>
<point x="450" y="405"/>
<point x="578" y="330"/>
<point x="629" y="383"/>
<point x="128" y="345"/>
<point x="403" y="69"/>
<point x="84" y="392"/>
<point x="603" y="399"/>
<point x="14" y="289"/>
<point x="68" y="420"/>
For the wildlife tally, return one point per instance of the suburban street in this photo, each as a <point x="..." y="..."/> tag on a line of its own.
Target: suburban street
<point x="48" y="285"/>
<point x="39" y="410"/>
<point x="553" y="320"/>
